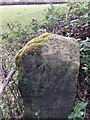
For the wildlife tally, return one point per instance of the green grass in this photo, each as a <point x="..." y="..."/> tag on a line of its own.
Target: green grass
<point x="23" y="13"/>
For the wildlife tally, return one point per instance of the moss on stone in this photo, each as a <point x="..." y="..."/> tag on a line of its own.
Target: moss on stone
<point x="33" y="46"/>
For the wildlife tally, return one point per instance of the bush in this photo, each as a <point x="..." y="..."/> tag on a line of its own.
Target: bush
<point x="74" y="22"/>
<point x="53" y="17"/>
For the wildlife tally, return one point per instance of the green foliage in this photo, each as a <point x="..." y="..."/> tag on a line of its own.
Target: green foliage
<point x="85" y="57"/>
<point x="14" y="31"/>
<point x="53" y="16"/>
<point x="80" y="10"/>
<point x="11" y="103"/>
<point x="14" y="35"/>
<point x="34" y="25"/>
<point x="72" y="22"/>
<point x="85" y="52"/>
<point x="77" y="111"/>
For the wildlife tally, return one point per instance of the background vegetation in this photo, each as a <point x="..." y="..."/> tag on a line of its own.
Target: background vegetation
<point x="23" y="14"/>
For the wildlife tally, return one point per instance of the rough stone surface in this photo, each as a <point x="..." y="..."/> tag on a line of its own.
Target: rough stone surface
<point x="48" y="68"/>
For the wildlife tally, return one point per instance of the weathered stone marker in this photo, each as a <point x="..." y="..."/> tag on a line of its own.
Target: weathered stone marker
<point x="48" y="67"/>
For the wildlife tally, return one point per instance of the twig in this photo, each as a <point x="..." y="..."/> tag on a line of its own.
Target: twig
<point x="4" y="83"/>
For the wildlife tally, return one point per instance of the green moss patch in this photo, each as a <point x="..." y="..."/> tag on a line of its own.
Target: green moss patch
<point x="34" y="46"/>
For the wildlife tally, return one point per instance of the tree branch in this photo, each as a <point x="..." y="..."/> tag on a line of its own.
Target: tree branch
<point x="4" y="83"/>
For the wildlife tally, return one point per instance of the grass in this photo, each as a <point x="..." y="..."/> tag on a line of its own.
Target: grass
<point x="22" y="13"/>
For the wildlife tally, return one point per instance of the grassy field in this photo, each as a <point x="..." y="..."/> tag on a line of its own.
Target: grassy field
<point x="22" y="13"/>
